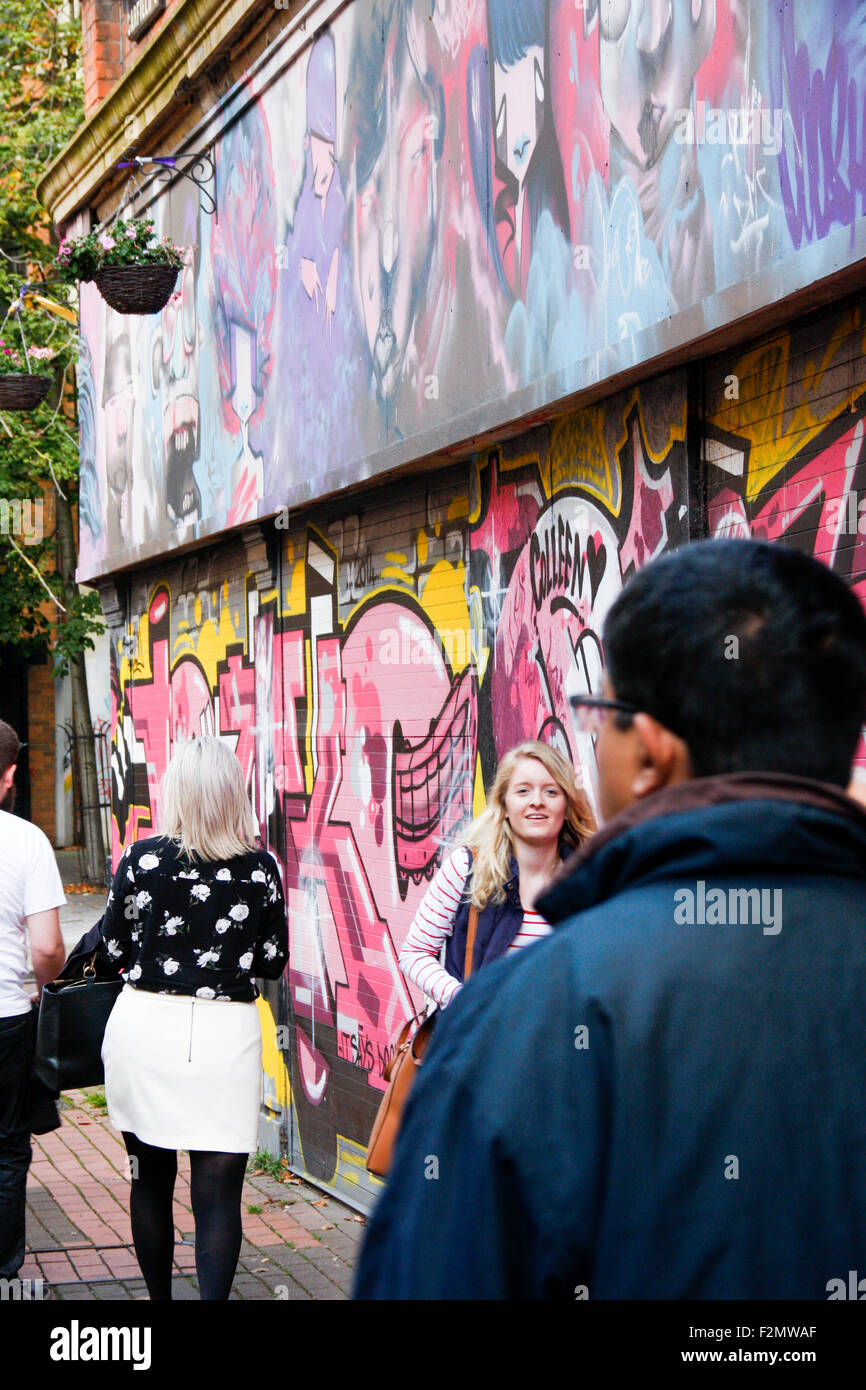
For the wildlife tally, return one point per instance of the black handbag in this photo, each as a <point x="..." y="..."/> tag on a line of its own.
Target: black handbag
<point x="72" y="1018"/>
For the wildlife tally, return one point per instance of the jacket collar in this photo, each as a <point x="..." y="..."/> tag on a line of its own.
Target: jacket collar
<point x="594" y="871"/>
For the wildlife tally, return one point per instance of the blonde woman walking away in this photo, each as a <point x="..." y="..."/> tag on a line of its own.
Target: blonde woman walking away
<point x="536" y="815"/>
<point x="193" y="915"/>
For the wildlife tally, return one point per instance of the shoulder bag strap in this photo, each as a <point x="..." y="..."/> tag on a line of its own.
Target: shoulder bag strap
<point x="470" y="942"/>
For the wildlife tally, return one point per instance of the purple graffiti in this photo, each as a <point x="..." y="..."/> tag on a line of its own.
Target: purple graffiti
<point x="822" y="170"/>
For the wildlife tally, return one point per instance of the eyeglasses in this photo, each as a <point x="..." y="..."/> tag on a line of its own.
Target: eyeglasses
<point x="589" y="712"/>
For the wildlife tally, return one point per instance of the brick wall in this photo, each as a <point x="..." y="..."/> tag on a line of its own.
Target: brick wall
<point x="40" y="692"/>
<point x="101" y="25"/>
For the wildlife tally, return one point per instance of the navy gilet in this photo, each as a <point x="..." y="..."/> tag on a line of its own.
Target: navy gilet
<point x="498" y="924"/>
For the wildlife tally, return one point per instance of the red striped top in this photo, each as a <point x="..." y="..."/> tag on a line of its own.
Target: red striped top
<point x="433" y="923"/>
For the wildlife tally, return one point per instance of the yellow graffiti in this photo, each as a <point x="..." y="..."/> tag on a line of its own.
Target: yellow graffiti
<point x="479" y="796"/>
<point x="780" y="412"/>
<point x="209" y="641"/>
<point x="273" y="1062"/>
<point x="578" y="454"/>
<point x="443" y="598"/>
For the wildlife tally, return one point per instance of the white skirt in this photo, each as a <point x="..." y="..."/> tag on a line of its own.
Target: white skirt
<point x="184" y="1073"/>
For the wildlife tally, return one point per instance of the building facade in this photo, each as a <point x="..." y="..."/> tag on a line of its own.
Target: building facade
<point x="486" y="304"/>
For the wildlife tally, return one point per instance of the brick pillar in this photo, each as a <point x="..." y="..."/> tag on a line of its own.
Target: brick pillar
<point x="40" y="696"/>
<point x="100" y="37"/>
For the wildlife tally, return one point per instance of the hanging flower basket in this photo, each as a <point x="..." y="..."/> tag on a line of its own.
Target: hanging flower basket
<point x="135" y="271"/>
<point x="136" y="289"/>
<point x="23" y="390"/>
<point x="20" y="388"/>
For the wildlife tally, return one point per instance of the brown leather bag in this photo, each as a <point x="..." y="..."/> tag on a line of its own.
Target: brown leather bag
<point x="401" y="1071"/>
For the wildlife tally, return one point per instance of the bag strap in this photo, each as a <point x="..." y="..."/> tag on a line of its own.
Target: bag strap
<point x="470" y="942"/>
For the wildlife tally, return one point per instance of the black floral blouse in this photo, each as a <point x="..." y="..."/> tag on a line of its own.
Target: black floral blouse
<point x="200" y="928"/>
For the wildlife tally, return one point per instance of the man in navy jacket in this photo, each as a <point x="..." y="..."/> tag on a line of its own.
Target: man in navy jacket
<point x="667" y="1097"/>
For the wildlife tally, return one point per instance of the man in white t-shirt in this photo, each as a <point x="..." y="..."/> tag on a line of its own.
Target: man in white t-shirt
<point x="31" y="891"/>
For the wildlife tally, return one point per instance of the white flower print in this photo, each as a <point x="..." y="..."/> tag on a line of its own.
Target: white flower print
<point x="188" y="873"/>
<point x="135" y="936"/>
<point x="208" y="957"/>
<point x="134" y="974"/>
<point x="205" y="993"/>
<point x="239" y="913"/>
<point x="259" y="876"/>
<point x="201" y="891"/>
<point x="225" y="998"/>
<point x="114" y="949"/>
<point x="149" y="861"/>
<point x="169" y="967"/>
<point x="143" y="900"/>
<point x="170" y="926"/>
<point x="223" y="925"/>
<point x="223" y="874"/>
<point x="270" y="949"/>
<point x="273" y="891"/>
<point x="246" y="960"/>
<point x="110" y="899"/>
<point x="129" y="874"/>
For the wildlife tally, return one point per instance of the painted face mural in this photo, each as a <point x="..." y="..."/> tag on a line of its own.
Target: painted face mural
<point x="175" y="368"/>
<point x="397" y="137"/>
<point x="118" y="404"/>
<point x="527" y="181"/>
<point x="244" y="278"/>
<point x="649" y="52"/>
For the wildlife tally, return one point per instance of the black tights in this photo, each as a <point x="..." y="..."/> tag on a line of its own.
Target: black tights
<point x="216" y="1180"/>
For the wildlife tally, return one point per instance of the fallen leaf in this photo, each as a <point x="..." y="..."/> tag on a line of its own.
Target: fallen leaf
<point x="319" y="1204"/>
<point x="326" y="1228"/>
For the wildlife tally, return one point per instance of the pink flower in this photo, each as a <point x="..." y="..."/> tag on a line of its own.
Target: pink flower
<point x="131" y="233"/>
<point x="107" y="242"/>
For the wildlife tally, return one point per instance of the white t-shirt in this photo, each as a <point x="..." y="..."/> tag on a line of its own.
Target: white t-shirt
<point x="29" y="882"/>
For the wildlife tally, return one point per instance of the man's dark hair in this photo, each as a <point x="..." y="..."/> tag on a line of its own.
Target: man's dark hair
<point x="788" y="695"/>
<point x="10" y="747"/>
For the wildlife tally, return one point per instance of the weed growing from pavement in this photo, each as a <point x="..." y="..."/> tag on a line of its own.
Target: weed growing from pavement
<point x="262" y="1163"/>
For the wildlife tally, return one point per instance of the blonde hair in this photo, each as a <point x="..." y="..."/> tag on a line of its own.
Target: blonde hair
<point x="205" y="808"/>
<point x="489" y="836"/>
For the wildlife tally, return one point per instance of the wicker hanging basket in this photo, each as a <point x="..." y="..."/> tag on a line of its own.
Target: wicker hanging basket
<point x="136" y="289"/>
<point x="22" y="390"/>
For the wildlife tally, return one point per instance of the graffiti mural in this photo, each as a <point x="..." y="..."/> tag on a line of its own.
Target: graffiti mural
<point x="440" y="203"/>
<point x="368" y="680"/>
<point x="784" y="445"/>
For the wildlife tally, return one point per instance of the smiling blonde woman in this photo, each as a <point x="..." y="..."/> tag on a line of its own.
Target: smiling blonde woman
<point x="535" y="815"/>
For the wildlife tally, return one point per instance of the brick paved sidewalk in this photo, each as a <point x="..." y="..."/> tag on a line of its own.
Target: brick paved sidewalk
<point x="298" y="1244"/>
